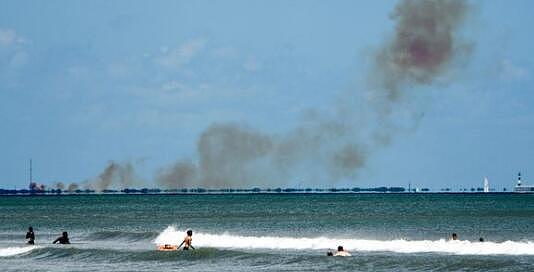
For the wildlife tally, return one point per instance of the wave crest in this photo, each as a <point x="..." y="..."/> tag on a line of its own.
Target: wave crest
<point x="12" y="251"/>
<point x="174" y="237"/>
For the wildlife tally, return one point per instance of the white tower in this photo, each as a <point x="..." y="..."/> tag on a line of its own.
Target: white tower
<point x="486" y="185"/>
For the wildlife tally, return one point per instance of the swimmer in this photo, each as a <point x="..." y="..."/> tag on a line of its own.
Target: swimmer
<point x="329" y="253"/>
<point x="341" y="252"/>
<point x="63" y="239"/>
<point x="481" y="239"/>
<point x="454" y="237"/>
<point x="187" y="241"/>
<point x="31" y="236"/>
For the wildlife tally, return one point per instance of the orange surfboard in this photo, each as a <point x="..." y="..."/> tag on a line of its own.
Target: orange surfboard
<point x="167" y="248"/>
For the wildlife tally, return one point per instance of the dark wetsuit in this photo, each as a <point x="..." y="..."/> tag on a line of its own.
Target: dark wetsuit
<point x="62" y="240"/>
<point x="30" y="235"/>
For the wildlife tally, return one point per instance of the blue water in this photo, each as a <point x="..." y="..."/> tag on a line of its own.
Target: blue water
<point x="383" y="232"/>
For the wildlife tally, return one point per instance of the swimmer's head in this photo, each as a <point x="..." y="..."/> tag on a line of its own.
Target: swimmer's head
<point x="189" y="232"/>
<point x="481" y="239"/>
<point x="329" y="253"/>
<point x="30" y="228"/>
<point x="65" y="234"/>
<point x="340" y="248"/>
<point x="454" y="236"/>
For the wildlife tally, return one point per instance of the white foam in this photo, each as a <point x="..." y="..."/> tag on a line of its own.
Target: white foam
<point x="174" y="237"/>
<point x="12" y="251"/>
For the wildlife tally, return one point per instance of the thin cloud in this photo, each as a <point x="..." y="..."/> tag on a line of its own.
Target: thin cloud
<point x="172" y="85"/>
<point x="512" y="72"/>
<point x="181" y="55"/>
<point x="9" y="37"/>
<point x="14" y="56"/>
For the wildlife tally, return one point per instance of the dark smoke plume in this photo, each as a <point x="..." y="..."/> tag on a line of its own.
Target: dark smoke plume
<point x="333" y="148"/>
<point x="232" y="155"/>
<point x="325" y="147"/>
<point x="59" y="185"/>
<point x="423" y="46"/>
<point x="183" y="174"/>
<point x="229" y="152"/>
<point x="72" y="187"/>
<point x="115" y="175"/>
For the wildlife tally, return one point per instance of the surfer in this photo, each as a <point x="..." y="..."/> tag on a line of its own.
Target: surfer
<point x="31" y="236"/>
<point x="187" y="241"/>
<point x="63" y="239"/>
<point x="341" y="252"/>
<point x="454" y="237"/>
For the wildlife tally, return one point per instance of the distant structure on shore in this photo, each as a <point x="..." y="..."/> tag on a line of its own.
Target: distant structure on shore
<point x="486" y="185"/>
<point x="522" y="188"/>
<point x="33" y="186"/>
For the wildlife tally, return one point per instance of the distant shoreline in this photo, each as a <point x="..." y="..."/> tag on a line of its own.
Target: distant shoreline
<point x="261" y="193"/>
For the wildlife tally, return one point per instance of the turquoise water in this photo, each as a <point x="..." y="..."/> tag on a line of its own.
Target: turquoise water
<point x="383" y="232"/>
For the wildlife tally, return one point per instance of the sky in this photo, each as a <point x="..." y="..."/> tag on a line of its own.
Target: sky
<point x="138" y="83"/>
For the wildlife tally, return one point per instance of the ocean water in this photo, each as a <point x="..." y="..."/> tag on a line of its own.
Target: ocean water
<point x="293" y="232"/>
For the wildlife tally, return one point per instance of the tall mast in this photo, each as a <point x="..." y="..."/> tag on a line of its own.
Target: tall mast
<point x="31" y="177"/>
<point x="31" y="174"/>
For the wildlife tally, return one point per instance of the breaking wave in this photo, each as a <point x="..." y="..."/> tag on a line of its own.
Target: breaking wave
<point x="461" y="247"/>
<point x="12" y="251"/>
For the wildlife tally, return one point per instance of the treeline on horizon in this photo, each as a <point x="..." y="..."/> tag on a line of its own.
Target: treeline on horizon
<point x="382" y="189"/>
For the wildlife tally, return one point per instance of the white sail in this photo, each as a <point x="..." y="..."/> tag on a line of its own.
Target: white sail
<point x="486" y="185"/>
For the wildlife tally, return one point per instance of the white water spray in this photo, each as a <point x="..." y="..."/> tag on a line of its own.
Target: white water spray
<point x="173" y="236"/>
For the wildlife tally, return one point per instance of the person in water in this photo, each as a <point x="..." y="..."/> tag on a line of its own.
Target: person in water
<point x="454" y="237"/>
<point x="187" y="241"/>
<point x="340" y="252"/>
<point x="481" y="239"/>
<point x="31" y="236"/>
<point x="63" y="239"/>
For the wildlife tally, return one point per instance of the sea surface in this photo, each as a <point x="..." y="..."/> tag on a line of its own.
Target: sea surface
<point x="270" y="232"/>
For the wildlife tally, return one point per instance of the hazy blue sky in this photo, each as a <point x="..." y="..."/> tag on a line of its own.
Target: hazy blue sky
<point x="86" y="82"/>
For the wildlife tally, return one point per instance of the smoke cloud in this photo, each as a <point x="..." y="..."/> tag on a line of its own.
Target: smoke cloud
<point x="59" y="185"/>
<point x="233" y="155"/>
<point x="183" y="174"/>
<point x="73" y="187"/>
<point x="423" y="46"/>
<point x="115" y="175"/>
<point x="324" y="147"/>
